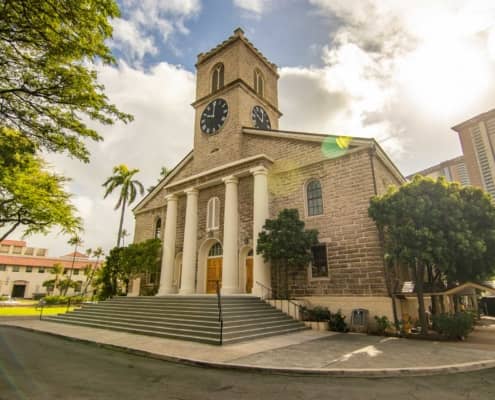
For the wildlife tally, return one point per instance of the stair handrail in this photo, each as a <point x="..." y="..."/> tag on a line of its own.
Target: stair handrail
<point x="220" y="315"/>
<point x="269" y="291"/>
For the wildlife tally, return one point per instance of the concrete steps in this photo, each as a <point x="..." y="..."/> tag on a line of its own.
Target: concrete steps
<point x="185" y="317"/>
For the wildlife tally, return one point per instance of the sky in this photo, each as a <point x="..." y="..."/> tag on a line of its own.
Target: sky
<point x="403" y="72"/>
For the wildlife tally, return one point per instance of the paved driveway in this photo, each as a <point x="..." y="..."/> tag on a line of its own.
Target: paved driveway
<point x="38" y="366"/>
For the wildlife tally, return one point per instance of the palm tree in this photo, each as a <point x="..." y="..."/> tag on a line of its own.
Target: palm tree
<point x="52" y="284"/>
<point x="123" y="235"/>
<point x="57" y="270"/>
<point x="129" y="188"/>
<point x="90" y="272"/>
<point x="74" y="241"/>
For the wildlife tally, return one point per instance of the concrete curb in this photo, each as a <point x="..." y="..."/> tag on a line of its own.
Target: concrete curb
<point x="335" y="372"/>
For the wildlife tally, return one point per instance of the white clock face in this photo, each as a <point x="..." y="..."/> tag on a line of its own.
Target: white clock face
<point x="260" y="118"/>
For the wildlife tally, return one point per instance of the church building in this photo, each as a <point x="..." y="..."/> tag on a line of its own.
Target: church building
<point x="242" y="170"/>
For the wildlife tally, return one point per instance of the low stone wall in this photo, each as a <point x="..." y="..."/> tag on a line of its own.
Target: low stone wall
<point x="375" y="305"/>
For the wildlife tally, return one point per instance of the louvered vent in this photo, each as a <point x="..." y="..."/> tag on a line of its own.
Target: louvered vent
<point x="462" y="174"/>
<point x="484" y="164"/>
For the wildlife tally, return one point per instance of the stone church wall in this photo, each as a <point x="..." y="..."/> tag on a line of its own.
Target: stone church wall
<point x="295" y="152"/>
<point x="353" y="249"/>
<point x="186" y="171"/>
<point x="145" y="224"/>
<point x="384" y="178"/>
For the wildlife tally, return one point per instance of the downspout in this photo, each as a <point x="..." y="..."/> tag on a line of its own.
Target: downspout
<point x="372" y="153"/>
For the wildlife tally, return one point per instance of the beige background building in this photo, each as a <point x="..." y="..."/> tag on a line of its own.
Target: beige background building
<point x="454" y="170"/>
<point x="477" y="136"/>
<point x="210" y="209"/>
<point x="23" y="269"/>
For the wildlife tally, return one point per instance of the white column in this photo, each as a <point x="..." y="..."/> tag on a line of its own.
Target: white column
<point x="230" y="266"/>
<point x="168" y="255"/>
<point x="261" y="270"/>
<point x="190" y="243"/>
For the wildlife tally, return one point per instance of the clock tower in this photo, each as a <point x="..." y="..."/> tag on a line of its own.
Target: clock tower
<point x="236" y="87"/>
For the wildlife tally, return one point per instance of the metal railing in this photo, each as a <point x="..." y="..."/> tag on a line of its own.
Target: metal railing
<point x="220" y="315"/>
<point x="267" y="294"/>
<point x="42" y="303"/>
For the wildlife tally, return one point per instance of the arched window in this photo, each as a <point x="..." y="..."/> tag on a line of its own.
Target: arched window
<point x="314" y="198"/>
<point x="213" y="214"/>
<point x="216" y="250"/>
<point x="158" y="228"/>
<point x="217" y="78"/>
<point x="259" y="82"/>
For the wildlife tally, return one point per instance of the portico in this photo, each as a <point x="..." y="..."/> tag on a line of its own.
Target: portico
<point x="194" y="269"/>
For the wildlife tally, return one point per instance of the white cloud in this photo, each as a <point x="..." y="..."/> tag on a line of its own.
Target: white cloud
<point x="135" y="33"/>
<point x="401" y="72"/>
<point x="254" y="6"/>
<point x="160" y="135"/>
<point x="125" y="37"/>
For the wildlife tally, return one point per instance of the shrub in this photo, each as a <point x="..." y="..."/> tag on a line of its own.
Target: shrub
<point x="382" y="324"/>
<point x="4" y="298"/>
<point x="337" y="322"/>
<point x="317" y="314"/>
<point x="53" y="300"/>
<point x="454" y="326"/>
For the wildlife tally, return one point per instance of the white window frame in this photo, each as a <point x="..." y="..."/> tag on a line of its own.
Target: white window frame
<point x="306" y="199"/>
<point x="259" y="83"/>
<point x="218" y="72"/>
<point x="213" y="214"/>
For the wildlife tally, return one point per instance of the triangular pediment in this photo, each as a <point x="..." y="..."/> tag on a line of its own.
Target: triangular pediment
<point x="180" y="171"/>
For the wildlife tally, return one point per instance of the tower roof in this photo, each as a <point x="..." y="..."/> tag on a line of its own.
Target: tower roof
<point x="238" y="35"/>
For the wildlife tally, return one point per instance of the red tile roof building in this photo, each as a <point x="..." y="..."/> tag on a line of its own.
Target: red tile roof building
<point x="23" y="269"/>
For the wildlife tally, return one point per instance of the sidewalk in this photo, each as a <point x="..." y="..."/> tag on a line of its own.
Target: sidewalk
<point x="306" y="352"/>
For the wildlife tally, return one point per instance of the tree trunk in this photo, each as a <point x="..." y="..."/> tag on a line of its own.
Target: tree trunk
<point x="287" y="282"/>
<point x="119" y="236"/>
<point x="420" y="274"/>
<point x="434" y="307"/>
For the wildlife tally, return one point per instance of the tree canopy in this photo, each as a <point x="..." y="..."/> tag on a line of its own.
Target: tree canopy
<point x="31" y="196"/>
<point x="437" y="224"/>
<point x="48" y="79"/>
<point x="123" y="263"/>
<point x="285" y="243"/>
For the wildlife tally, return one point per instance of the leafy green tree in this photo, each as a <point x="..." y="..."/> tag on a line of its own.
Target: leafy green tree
<point x="124" y="263"/>
<point x="470" y="255"/>
<point x="66" y="284"/>
<point x="141" y="258"/>
<point x="31" y="196"/>
<point x="49" y="51"/>
<point x="107" y="277"/>
<point x="286" y="244"/>
<point x="49" y="285"/>
<point x="122" y="178"/>
<point x="436" y="225"/>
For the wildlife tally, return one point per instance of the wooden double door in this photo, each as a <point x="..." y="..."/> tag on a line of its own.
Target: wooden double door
<point x="249" y="275"/>
<point x="213" y="274"/>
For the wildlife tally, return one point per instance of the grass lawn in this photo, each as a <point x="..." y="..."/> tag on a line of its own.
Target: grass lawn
<point x="31" y="311"/>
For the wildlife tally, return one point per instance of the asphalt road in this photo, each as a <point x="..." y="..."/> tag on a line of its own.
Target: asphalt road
<point x="39" y="366"/>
